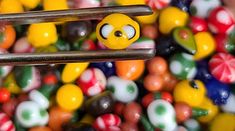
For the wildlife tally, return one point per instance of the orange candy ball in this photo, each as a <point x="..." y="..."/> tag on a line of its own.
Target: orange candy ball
<point x="130" y="70"/>
<point x="40" y="128"/>
<point x="153" y="82"/>
<point x="169" y="81"/>
<point x="157" y="65"/>
<point x="57" y="117"/>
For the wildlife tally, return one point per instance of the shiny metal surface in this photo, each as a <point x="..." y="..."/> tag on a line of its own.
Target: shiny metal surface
<point x="72" y="14"/>
<point x="75" y="56"/>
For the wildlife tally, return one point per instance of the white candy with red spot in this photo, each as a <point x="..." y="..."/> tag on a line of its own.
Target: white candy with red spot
<point x="92" y="81"/>
<point x="222" y="67"/>
<point x="158" y="4"/>
<point x="221" y="20"/>
<point x="107" y="122"/>
<point x="5" y="123"/>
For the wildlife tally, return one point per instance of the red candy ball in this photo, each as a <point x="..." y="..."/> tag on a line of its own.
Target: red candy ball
<point x="4" y="95"/>
<point x="118" y="108"/>
<point x="132" y="112"/>
<point x="197" y="24"/>
<point x="10" y="106"/>
<point x="183" y="111"/>
<point x="150" y="31"/>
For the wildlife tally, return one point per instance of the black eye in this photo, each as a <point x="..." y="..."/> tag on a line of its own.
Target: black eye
<point x="130" y="31"/>
<point x="105" y="30"/>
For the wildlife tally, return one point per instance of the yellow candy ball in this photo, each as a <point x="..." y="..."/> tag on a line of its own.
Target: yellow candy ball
<point x="72" y="71"/>
<point x="42" y="34"/>
<point x="69" y="97"/>
<point x="211" y="108"/>
<point x="192" y="93"/>
<point x="11" y="6"/>
<point x="148" y="19"/>
<point x="30" y="4"/>
<point x="205" y="45"/>
<point x="55" y="4"/>
<point x="130" y="2"/>
<point x="10" y="83"/>
<point x="223" y="122"/>
<point x="170" y="18"/>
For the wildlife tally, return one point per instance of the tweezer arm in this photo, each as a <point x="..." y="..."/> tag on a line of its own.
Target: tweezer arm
<point x="72" y="14"/>
<point x="74" y="56"/>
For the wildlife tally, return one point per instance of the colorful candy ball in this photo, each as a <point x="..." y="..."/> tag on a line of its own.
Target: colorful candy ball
<point x="107" y="121"/>
<point x="162" y="115"/>
<point x="123" y="90"/>
<point x="183" y="66"/>
<point x="222" y="67"/>
<point x="69" y="97"/>
<point x="5" y="123"/>
<point x="92" y="81"/>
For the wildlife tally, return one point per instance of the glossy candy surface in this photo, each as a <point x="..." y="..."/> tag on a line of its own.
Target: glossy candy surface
<point x="123" y="90"/>
<point x="170" y="18"/>
<point x="190" y="92"/>
<point x="218" y="92"/>
<point x="132" y="112"/>
<point x="58" y="117"/>
<point x="205" y="45"/>
<point x="92" y="81"/>
<point x="198" y="24"/>
<point x="30" y="114"/>
<point x="223" y="121"/>
<point x="116" y="34"/>
<point x="69" y="97"/>
<point x="107" y="121"/>
<point x="100" y="104"/>
<point x="72" y="71"/>
<point x="212" y="110"/>
<point x="162" y="115"/>
<point x="221" y="20"/>
<point x="107" y="67"/>
<point x="27" y="77"/>
<point x="222" y="66"/>
<point x="182" y="66"/>
<point x="130" y="70"/>
<point x="42" y="34"/>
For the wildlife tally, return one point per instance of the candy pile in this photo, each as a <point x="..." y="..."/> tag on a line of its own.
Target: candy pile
<point x="188" y="86"/>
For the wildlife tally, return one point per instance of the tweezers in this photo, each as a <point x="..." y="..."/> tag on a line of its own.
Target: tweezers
<point x="73" y="56"/>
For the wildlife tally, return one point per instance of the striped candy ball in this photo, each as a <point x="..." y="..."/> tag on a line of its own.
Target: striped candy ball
<point x="5" y="123"/>
<point x="222" y="67"/>
<point x="107" y="121"/>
